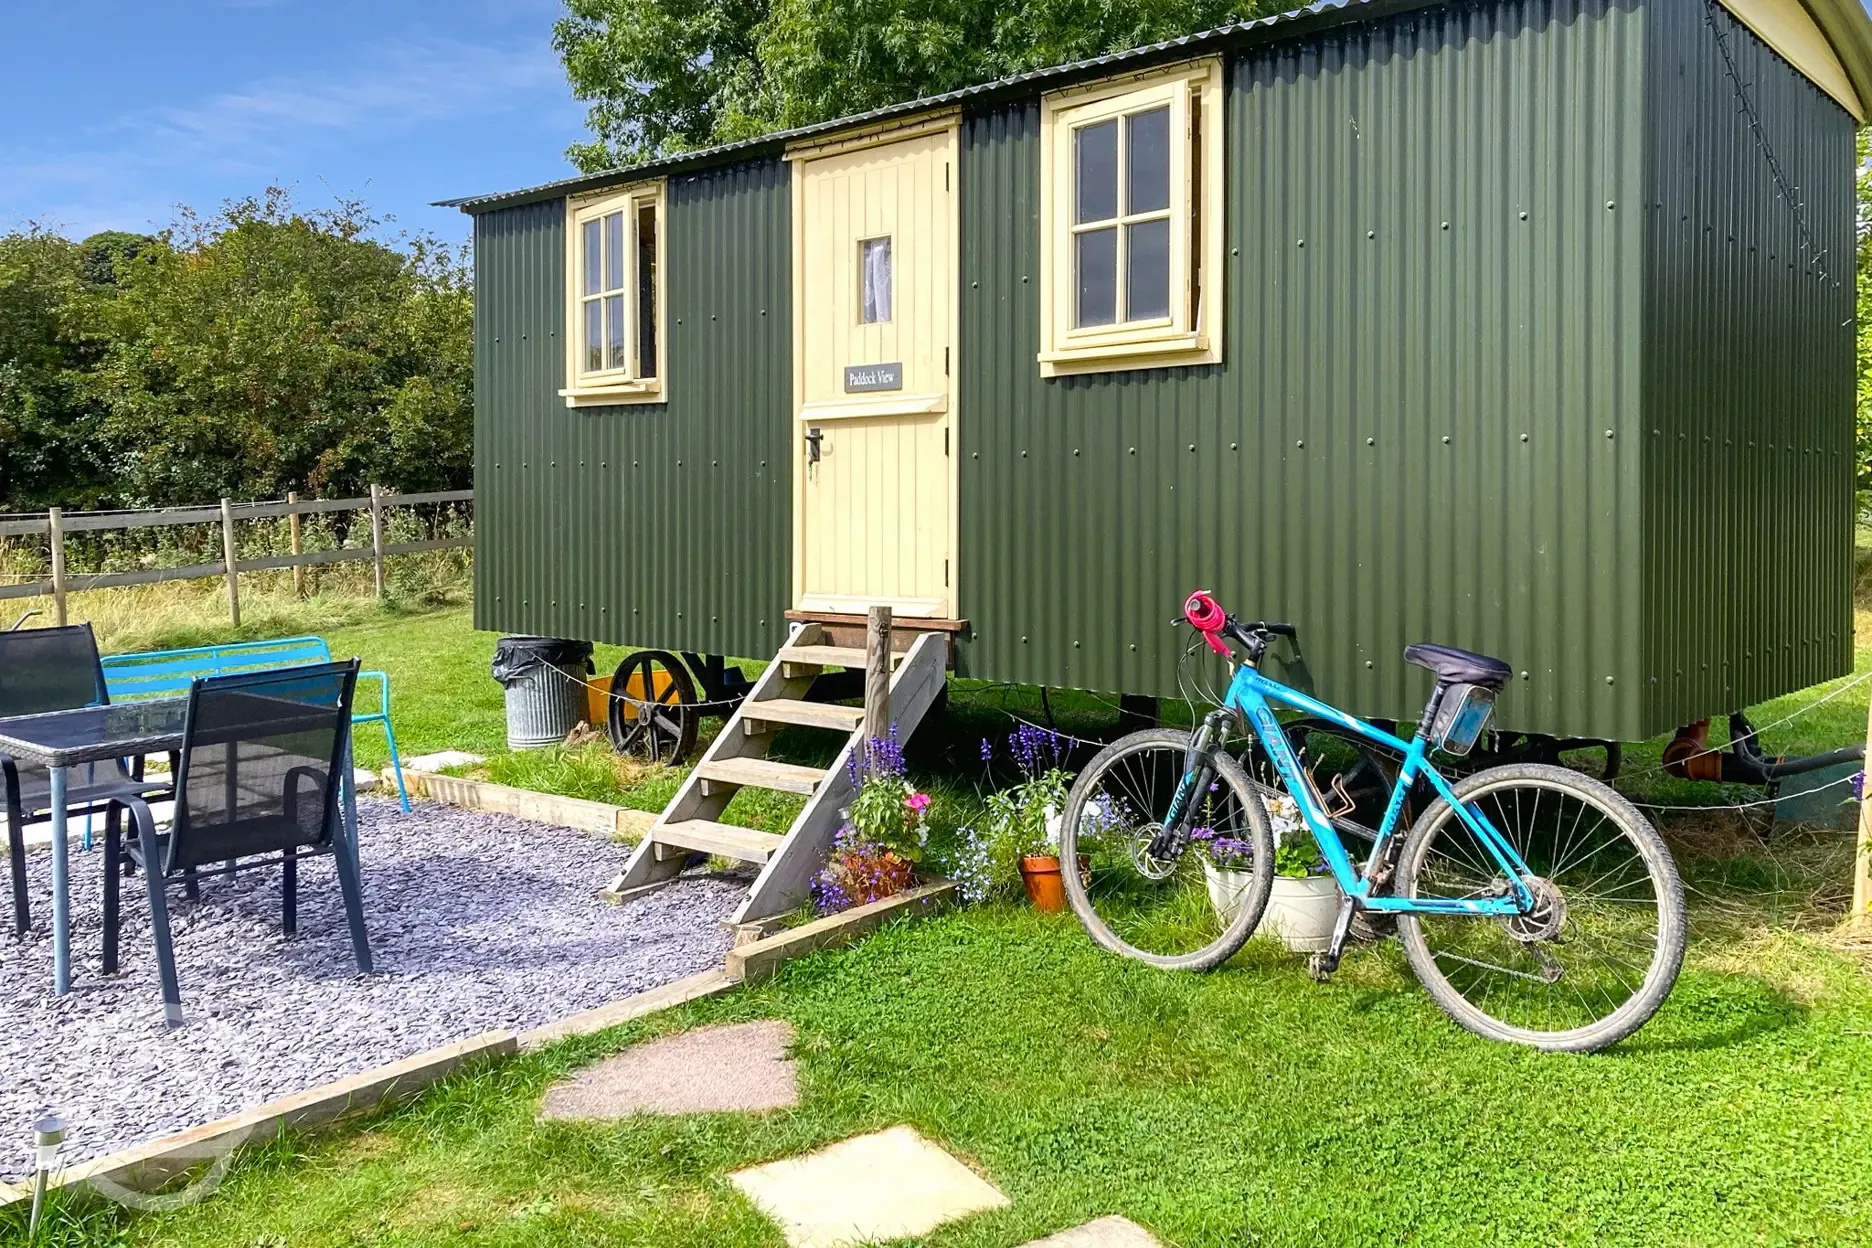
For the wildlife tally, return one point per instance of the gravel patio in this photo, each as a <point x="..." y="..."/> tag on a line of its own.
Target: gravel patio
<point x="476" y="922"/>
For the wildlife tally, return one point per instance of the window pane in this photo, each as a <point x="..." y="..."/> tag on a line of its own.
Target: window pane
<point x="594" y="335"/>
<point x="874" y="256"/>
<point x="646" y="291"/>
<point x="1095" y="166"/>
<point x="614" y="251"/>
<point x="590" y="245"/>
<point x="614" y="326"/>
<point x="1147" y="161"/>
<point x="1097" y="265"/>
<point x="1147" y="270"/>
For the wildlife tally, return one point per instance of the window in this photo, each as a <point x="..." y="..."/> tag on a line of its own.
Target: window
<point x="614" y="280"/>
<point x="1131" y="213"/>
<point x="874" y="269"/>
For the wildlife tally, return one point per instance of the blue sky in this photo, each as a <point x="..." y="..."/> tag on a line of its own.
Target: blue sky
<point x="112" y="113"/>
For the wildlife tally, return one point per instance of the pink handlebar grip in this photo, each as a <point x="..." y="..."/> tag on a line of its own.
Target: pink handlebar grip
<point x="1206" y="616"/>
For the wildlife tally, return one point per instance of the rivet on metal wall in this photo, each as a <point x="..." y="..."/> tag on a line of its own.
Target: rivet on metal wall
<point x="1192" y="448"/>
<point x="1524" y="437"/>
<point x="1609" y="680"/>
<point x="1371" y="441"/>
<point x="1132" y="451"/>
<point x="1446" y="439"/>
<point x="1608" y="433"/>
<point x="1300" y="243"/>
<point x="1299" y="443"/>
<point x="1610" y="205"/>
<point x="1524" y="214"/>
<point x="1371" y="233"/>
<point x="1234" y="447"/>
<point x="1446" y="225"/>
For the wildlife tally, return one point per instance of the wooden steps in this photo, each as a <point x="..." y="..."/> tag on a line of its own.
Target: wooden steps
<point x="736" y="760"/>
<point x="827" y="715"/>
<point x="705" y="836"/>
<point x="795" y="658"/>
<point x="758" y="773"/>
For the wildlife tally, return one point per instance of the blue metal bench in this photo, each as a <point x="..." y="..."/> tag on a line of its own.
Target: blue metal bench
<point x="168" y="673"/>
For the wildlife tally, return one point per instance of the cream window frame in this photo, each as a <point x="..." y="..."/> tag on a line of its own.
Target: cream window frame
<point x="586" y="388"/>
<point x="1192" y="333"/>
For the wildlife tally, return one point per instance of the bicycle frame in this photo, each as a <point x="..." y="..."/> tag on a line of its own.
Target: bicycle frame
<point x="1250" y="693"/>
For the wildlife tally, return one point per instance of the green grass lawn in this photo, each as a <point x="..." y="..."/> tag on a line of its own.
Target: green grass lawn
<point x="1249" y="1106"/>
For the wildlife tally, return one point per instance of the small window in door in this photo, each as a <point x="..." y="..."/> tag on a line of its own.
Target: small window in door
<point x="874" y="276"/>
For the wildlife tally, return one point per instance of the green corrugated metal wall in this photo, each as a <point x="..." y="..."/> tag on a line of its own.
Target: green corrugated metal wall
<point x="1455" y="313"/>
<point x="1749" y="372"/>
<point x="664" y="525"/>
<point x="1407" y="439"/>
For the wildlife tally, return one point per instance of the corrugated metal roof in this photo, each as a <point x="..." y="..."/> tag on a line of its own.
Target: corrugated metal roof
<point x="1293" y="24"/>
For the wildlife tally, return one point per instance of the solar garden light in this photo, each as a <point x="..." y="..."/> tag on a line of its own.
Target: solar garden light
<point x="48" y="1134"/>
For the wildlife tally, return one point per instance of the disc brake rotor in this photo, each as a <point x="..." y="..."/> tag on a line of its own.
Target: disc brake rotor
<point x="1545" y="920"/>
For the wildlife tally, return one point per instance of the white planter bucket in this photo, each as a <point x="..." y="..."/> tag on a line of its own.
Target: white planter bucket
<point x="1300" y="912"/>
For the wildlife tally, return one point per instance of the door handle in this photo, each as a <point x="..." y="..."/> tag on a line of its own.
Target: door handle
<point x="813" y="439"/>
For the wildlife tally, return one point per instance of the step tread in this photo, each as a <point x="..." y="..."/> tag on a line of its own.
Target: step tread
<point x="831" y="656"/>
<point x="805" y="714"/>
<point x="762" y="773"/>
<point x="707" y="836"/>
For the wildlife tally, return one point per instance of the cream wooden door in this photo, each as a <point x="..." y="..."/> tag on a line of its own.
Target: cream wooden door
<point x="874" y="328"/>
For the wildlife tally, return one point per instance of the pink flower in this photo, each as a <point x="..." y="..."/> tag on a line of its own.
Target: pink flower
<point x="919" y="802"/>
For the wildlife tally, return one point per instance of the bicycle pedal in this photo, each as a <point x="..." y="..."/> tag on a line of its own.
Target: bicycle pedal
<point x="1320" y="967"/>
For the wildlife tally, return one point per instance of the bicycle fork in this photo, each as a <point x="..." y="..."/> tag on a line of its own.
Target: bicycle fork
<point x="1198" y="774"/>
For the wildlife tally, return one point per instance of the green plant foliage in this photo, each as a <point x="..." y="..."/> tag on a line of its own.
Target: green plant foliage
<point x="264" y="349"/>
<point x="661" y="76"/>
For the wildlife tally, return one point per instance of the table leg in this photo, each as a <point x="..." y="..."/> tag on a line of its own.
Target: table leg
<point x="61" y="887"/>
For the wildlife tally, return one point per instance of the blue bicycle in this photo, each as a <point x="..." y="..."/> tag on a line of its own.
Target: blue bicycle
<point x="1533" y="903"/>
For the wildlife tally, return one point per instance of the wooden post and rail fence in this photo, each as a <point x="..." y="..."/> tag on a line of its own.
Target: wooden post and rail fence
<point x="56" y="524"/>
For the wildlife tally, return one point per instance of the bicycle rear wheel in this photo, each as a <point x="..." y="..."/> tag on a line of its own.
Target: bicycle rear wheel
<point x="1177" y="911"/>
<point x="1598" y="955"/>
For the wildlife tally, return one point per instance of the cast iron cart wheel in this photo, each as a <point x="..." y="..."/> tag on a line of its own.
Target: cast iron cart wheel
<point x="664" y="732"/>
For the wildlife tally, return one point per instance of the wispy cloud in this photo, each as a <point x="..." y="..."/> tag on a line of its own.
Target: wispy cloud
<point x="403" y="85"/>
<point x="271" y="124"/>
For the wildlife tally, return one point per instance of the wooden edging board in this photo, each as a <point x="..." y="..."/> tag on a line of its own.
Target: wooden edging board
<point x="761" y="958"/>
<point x="618" y="822"/>
<point x="148" y="1166"/>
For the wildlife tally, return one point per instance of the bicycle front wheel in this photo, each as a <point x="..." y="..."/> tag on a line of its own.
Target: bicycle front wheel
<point x="1598" y="954"/>
<point x="1193" y="903"/>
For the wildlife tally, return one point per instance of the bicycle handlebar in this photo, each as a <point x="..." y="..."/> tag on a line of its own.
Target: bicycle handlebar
<point x="1207" y="617"/>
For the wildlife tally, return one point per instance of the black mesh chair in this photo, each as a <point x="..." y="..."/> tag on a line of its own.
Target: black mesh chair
<point x="55" y="669"/>
<point x="256" y="787"/>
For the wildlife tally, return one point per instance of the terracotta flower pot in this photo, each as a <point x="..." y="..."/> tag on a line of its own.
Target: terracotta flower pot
<point x="1045" y="889"/>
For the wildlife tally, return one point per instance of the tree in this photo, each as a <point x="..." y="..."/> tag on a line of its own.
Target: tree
<point x="662" y="76"/>
<point x="270" y="349"/>
<point x="50" y="453"/>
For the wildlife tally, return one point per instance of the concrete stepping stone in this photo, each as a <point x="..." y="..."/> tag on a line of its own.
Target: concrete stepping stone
<point x="883" y="1186"/>
<point x="1112" y="1232"/>
<point x="734" y="1068"/>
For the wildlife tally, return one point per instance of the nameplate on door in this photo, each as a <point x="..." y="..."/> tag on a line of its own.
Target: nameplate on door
<point x="865" y="378"/>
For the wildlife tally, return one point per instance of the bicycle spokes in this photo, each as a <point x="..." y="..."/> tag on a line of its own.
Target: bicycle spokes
<point x="1585" y="946"/>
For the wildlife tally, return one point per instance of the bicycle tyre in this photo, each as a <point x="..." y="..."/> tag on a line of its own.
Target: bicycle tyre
<point x="1253" y="900"/>
<point x="1666" y="959"/>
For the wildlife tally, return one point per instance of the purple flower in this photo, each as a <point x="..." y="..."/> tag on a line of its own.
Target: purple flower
<point x="987" y="750"/>
<point x="1036" y="750"/>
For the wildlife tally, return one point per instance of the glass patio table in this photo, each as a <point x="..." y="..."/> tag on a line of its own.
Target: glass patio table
<point x="61" y="740"/>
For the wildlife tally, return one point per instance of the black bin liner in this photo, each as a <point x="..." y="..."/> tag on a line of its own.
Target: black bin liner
<point x="515" y="656"/>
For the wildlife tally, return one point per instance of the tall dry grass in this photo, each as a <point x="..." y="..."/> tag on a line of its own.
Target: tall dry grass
<point x="183" y="613"/>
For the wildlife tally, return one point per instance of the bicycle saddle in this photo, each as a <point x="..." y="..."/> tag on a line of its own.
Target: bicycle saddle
<point x="1459" y="667"/>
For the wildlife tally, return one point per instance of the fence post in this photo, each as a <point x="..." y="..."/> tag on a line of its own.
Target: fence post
<point x="1861" y="911"/>
<point x="877" y="672"/>
<point x="55" y="521"/>
<point x="376" y="537"/>
<point x="292" y="522"/>
<point x="228" y="556"/>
